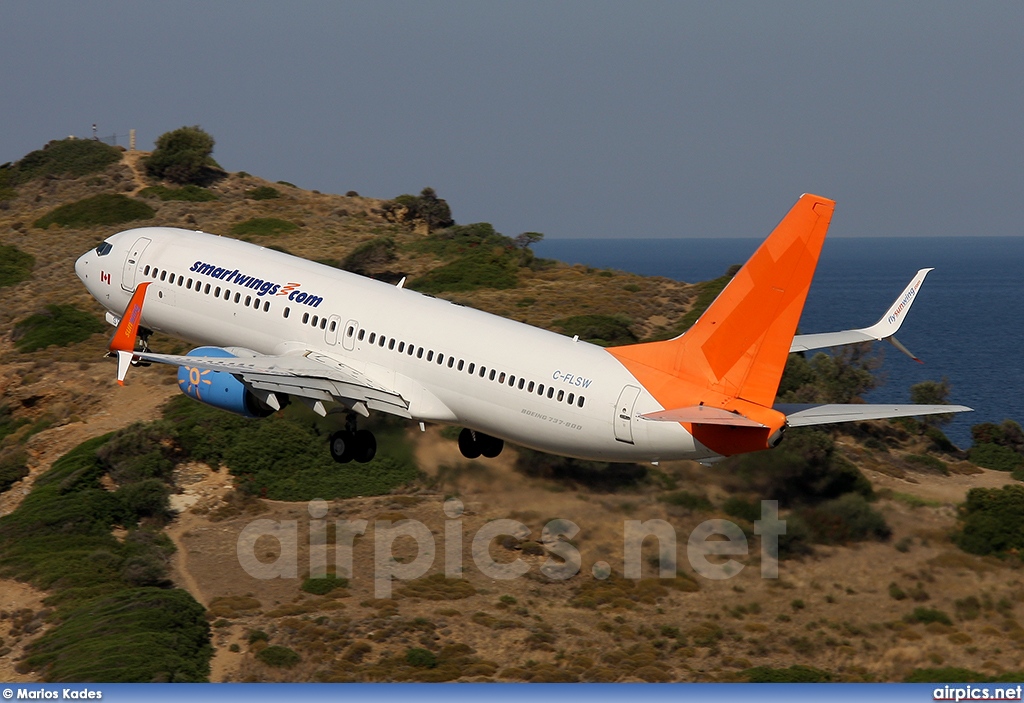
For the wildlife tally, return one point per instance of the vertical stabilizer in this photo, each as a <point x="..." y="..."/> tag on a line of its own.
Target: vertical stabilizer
<point x="733" y="357"/>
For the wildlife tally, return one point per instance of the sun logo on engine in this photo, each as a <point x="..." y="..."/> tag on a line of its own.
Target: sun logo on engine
<point x="196" y="379"/>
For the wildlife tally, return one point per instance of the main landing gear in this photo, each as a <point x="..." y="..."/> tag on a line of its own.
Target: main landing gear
<point x="352" y="444"/>
<point x="472" y="444"/>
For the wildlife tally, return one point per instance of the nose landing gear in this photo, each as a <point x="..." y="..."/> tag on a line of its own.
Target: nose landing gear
<point x="472" y="444"/>
<point x="352" y="444"/>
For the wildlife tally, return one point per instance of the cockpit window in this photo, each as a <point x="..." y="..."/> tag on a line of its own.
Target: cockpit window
<point x="104" y="248"/>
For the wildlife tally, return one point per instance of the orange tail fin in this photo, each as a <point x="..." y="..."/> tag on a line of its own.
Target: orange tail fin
<point x="733" y="357"/>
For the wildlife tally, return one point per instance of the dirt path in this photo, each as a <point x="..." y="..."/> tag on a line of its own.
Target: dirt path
<point x="133" y="159"/>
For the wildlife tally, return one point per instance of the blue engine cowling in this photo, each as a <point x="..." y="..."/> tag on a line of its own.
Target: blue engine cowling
<point x="218" y="388"/>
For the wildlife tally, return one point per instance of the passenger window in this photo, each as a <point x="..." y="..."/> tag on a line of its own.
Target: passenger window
<point x="156" y="272"/>
<point x="419" y="353"/>
<point x="163" y="275"/>
<point x="529" y="388"/>
<point x="440" y="358"/>
<point x="430" y="355"/>
<point x="266" y="306"/>
<point x="483" y="371"/>
<point x="501" y="378"/>
<point x="572" y="397"/>
<point x="248" y="299"/>
<point x="323" y="323"/>
<point x="401" y="347"/>
<point x="362" y="333"/>
<point x="461" y="363"/>
<point x="522" y="382"/>
<point x="305" y="317"/>
<point x="373" y="337"/>
<point x="540" y="389"/>
<point x="227" y="294"/>
<point x="561" y="394"/>
<point x="146" y="272"/>
<point x="382" y="340"/>
<point x="411" y="349"/>
<point x="451" y="361"/>
<point x="350" y="331"/>
<point x="216" y="292"/>
<point x="207" y="291"/>
<point x="579" y="402"/>
<point x="492" y="374"/>
<point x="238" y="296"/>
<point x="181" y="280"/>
<point x="287" y="311"/>
<point x="551" y="391"/>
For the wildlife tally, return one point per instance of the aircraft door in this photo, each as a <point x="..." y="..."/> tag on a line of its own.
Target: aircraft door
<point x="131" y="263"/>
<point x="333" y="322"/>
<point x="348" y="337"/>
<point x="624" y="414"/>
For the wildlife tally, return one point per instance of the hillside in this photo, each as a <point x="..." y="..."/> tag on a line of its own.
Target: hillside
<point x="872" y="586"/>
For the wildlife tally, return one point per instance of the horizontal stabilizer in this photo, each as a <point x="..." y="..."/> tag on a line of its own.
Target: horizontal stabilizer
<point x="885" y="328"/>
<point x="806" y="415"/>
<point x="702" y="415"/>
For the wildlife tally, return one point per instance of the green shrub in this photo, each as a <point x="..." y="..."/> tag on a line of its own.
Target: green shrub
<point x="946" y="674"/>
<point x="263" y="193"/>
<point x="484" y="268"/>
<point x="928" y="463"/>
<point x="278" y="656"/>
<point x="13" y="466"/>
<point x="995" y="456"/>
<point x="685" y="499"/>
<point x="323" y="585"/>
<point x="136" y="635"/>
<point x="148" y="498"/>
<point x="60" y="325"/>
<point x="849" y="518"/>
<point x="748" y="510"/>
<point x="925" y="616"/>
<point x="797" y="673"/>
<point x="264" y="226"/>
<point x="370" y="256"/>
<point x="422" y="658"/>
<point x="15" y="265"/>
<point x="992" y="520"/>
<point x="426" y="208"/>
<point x="64" y="157"/>
<point x="605" y="330"/>
<point x="189" y="193"/>
<point x="1007" y="434"/>
<point x="258" y="636"/>
<point x="99" y="210"/>
<point x="183" y="156"/>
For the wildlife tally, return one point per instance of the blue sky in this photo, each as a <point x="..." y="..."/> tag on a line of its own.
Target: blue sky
<point x="575" y="119"/>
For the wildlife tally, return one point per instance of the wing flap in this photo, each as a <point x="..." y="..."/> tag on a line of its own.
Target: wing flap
<point x="807" y="415"/>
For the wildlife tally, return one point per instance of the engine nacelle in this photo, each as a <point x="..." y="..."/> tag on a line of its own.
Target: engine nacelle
<point x="219" y="388"/>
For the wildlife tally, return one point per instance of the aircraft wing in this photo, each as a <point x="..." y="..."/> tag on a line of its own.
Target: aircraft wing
<point x="799" y="415"/>
<point x="885" y="328"/>
<point x="312" y="376"/>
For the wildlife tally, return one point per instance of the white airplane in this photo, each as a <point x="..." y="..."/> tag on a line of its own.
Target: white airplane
<point x="275" y="327"/>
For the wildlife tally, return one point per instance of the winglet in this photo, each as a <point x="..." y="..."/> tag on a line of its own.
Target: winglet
<point x="890" y="322"/>
<point x="123" y="341"/>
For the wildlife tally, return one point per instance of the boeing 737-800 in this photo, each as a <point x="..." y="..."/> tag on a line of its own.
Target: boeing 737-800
<point x="275" y="327"/>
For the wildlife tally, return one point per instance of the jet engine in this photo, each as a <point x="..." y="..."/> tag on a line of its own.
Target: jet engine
<point x="219" y="388"/>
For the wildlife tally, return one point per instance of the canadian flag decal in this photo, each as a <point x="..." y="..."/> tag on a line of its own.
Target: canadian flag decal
<point x="105" y="277"/>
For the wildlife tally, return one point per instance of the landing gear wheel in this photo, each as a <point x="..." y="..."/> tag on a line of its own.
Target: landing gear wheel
<point x="468" y="444"/>
<point x="490" y="446"/>
<point x="341" y="447"/>
<point x="364" y="446"/>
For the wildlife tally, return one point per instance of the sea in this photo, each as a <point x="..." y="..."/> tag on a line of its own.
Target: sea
<point x="966" y="325"/>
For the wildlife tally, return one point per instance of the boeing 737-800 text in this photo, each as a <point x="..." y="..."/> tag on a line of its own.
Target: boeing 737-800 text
<point x="275" y="327"/>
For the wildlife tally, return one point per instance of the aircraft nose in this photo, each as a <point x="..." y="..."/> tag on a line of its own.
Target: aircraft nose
<point x="82" y="267"/>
